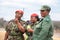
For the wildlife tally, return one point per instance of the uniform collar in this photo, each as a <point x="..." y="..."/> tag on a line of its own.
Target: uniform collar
<point x="36" y="22"/>
<point x="46" y="16"/>
<point x="43" y="18"/>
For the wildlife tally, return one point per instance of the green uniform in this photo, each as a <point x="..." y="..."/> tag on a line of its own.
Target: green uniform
<point x="14" y="32"/>
<point x="43" y="30"/>
<point x="28" y="33"/>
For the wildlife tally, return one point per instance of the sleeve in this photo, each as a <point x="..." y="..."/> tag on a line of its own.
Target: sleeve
<point x="44" y="31"/>
<point x="7" y="27"/>
<point x="28" y="27"/>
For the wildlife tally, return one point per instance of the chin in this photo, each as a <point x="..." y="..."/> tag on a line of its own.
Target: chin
<point x="42" y="15"/>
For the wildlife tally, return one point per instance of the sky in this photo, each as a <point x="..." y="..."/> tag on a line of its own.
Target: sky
<point x="8" y="8"/>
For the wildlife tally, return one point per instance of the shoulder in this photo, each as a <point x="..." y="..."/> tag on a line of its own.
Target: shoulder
<point x="11" y="21"/>
<point x="37" y="22"/>
<point x="8" y="24"/>
<point x="47" y="19"/>
<point x="22" y="21"/>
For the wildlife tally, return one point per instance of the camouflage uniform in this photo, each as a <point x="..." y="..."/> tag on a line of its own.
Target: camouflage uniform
<point x="14" y="32"/>
<point x="28" y="33"/>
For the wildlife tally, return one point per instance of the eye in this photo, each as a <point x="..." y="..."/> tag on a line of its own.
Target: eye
<point x="42" y="10"/>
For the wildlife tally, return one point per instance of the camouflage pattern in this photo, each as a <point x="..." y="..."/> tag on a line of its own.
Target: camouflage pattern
<point x="14" y="32"/>
<point x="28" y="33"/>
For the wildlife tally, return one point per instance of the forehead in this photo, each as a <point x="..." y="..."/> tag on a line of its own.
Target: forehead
<point x="33" y="17"/>
<point x="18" y="13"/>
<point x="43" y="10"/>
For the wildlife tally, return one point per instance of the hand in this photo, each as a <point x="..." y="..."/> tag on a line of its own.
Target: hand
<point x="16" y="20"/>
<point x="30" y="30"/>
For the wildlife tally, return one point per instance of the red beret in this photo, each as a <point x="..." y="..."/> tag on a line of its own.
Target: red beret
<point x="19" y="11"/>
<point x="34" y="15"/>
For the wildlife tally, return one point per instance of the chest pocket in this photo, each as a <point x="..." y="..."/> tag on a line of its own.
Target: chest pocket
<point x="13" y="29"/>
<point x="38" y="28"/>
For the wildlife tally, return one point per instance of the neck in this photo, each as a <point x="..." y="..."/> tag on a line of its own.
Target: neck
<point x="18" y="18"/>
<point x="34" y="22"/>
<point x="45" y="16"/>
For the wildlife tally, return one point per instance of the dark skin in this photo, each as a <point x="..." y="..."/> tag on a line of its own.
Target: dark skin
<point x="33" y="20"/>
<point x="44" y="13"/>
<point x="17" y="18"/>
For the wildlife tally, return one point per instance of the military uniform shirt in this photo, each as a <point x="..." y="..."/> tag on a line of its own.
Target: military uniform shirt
<point x="14" y="32"/>
<point x="43" y="30"/>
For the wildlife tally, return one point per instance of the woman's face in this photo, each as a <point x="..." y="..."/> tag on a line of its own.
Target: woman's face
<point x="18" y="15"/>
<point x="33" y="19"/>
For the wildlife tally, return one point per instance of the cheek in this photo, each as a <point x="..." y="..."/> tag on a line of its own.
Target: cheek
<point x="20" y="15"/>
<point x="16" y="15"/>
<point x="42" y="13"/>
<point x="32" y="19"/>
<point x="35" y="19"/>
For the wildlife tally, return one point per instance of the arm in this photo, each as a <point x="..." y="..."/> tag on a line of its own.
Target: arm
<point x="21" y="28"/>
<point x="6" y="36"/>
<point x="44" y="31"/>
<point x="29" y="29"/>
<point x="7" y="31"/>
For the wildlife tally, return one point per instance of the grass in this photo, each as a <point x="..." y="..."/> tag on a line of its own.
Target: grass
<point x="2" y="35"/>
<point x="55" y="37"/>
